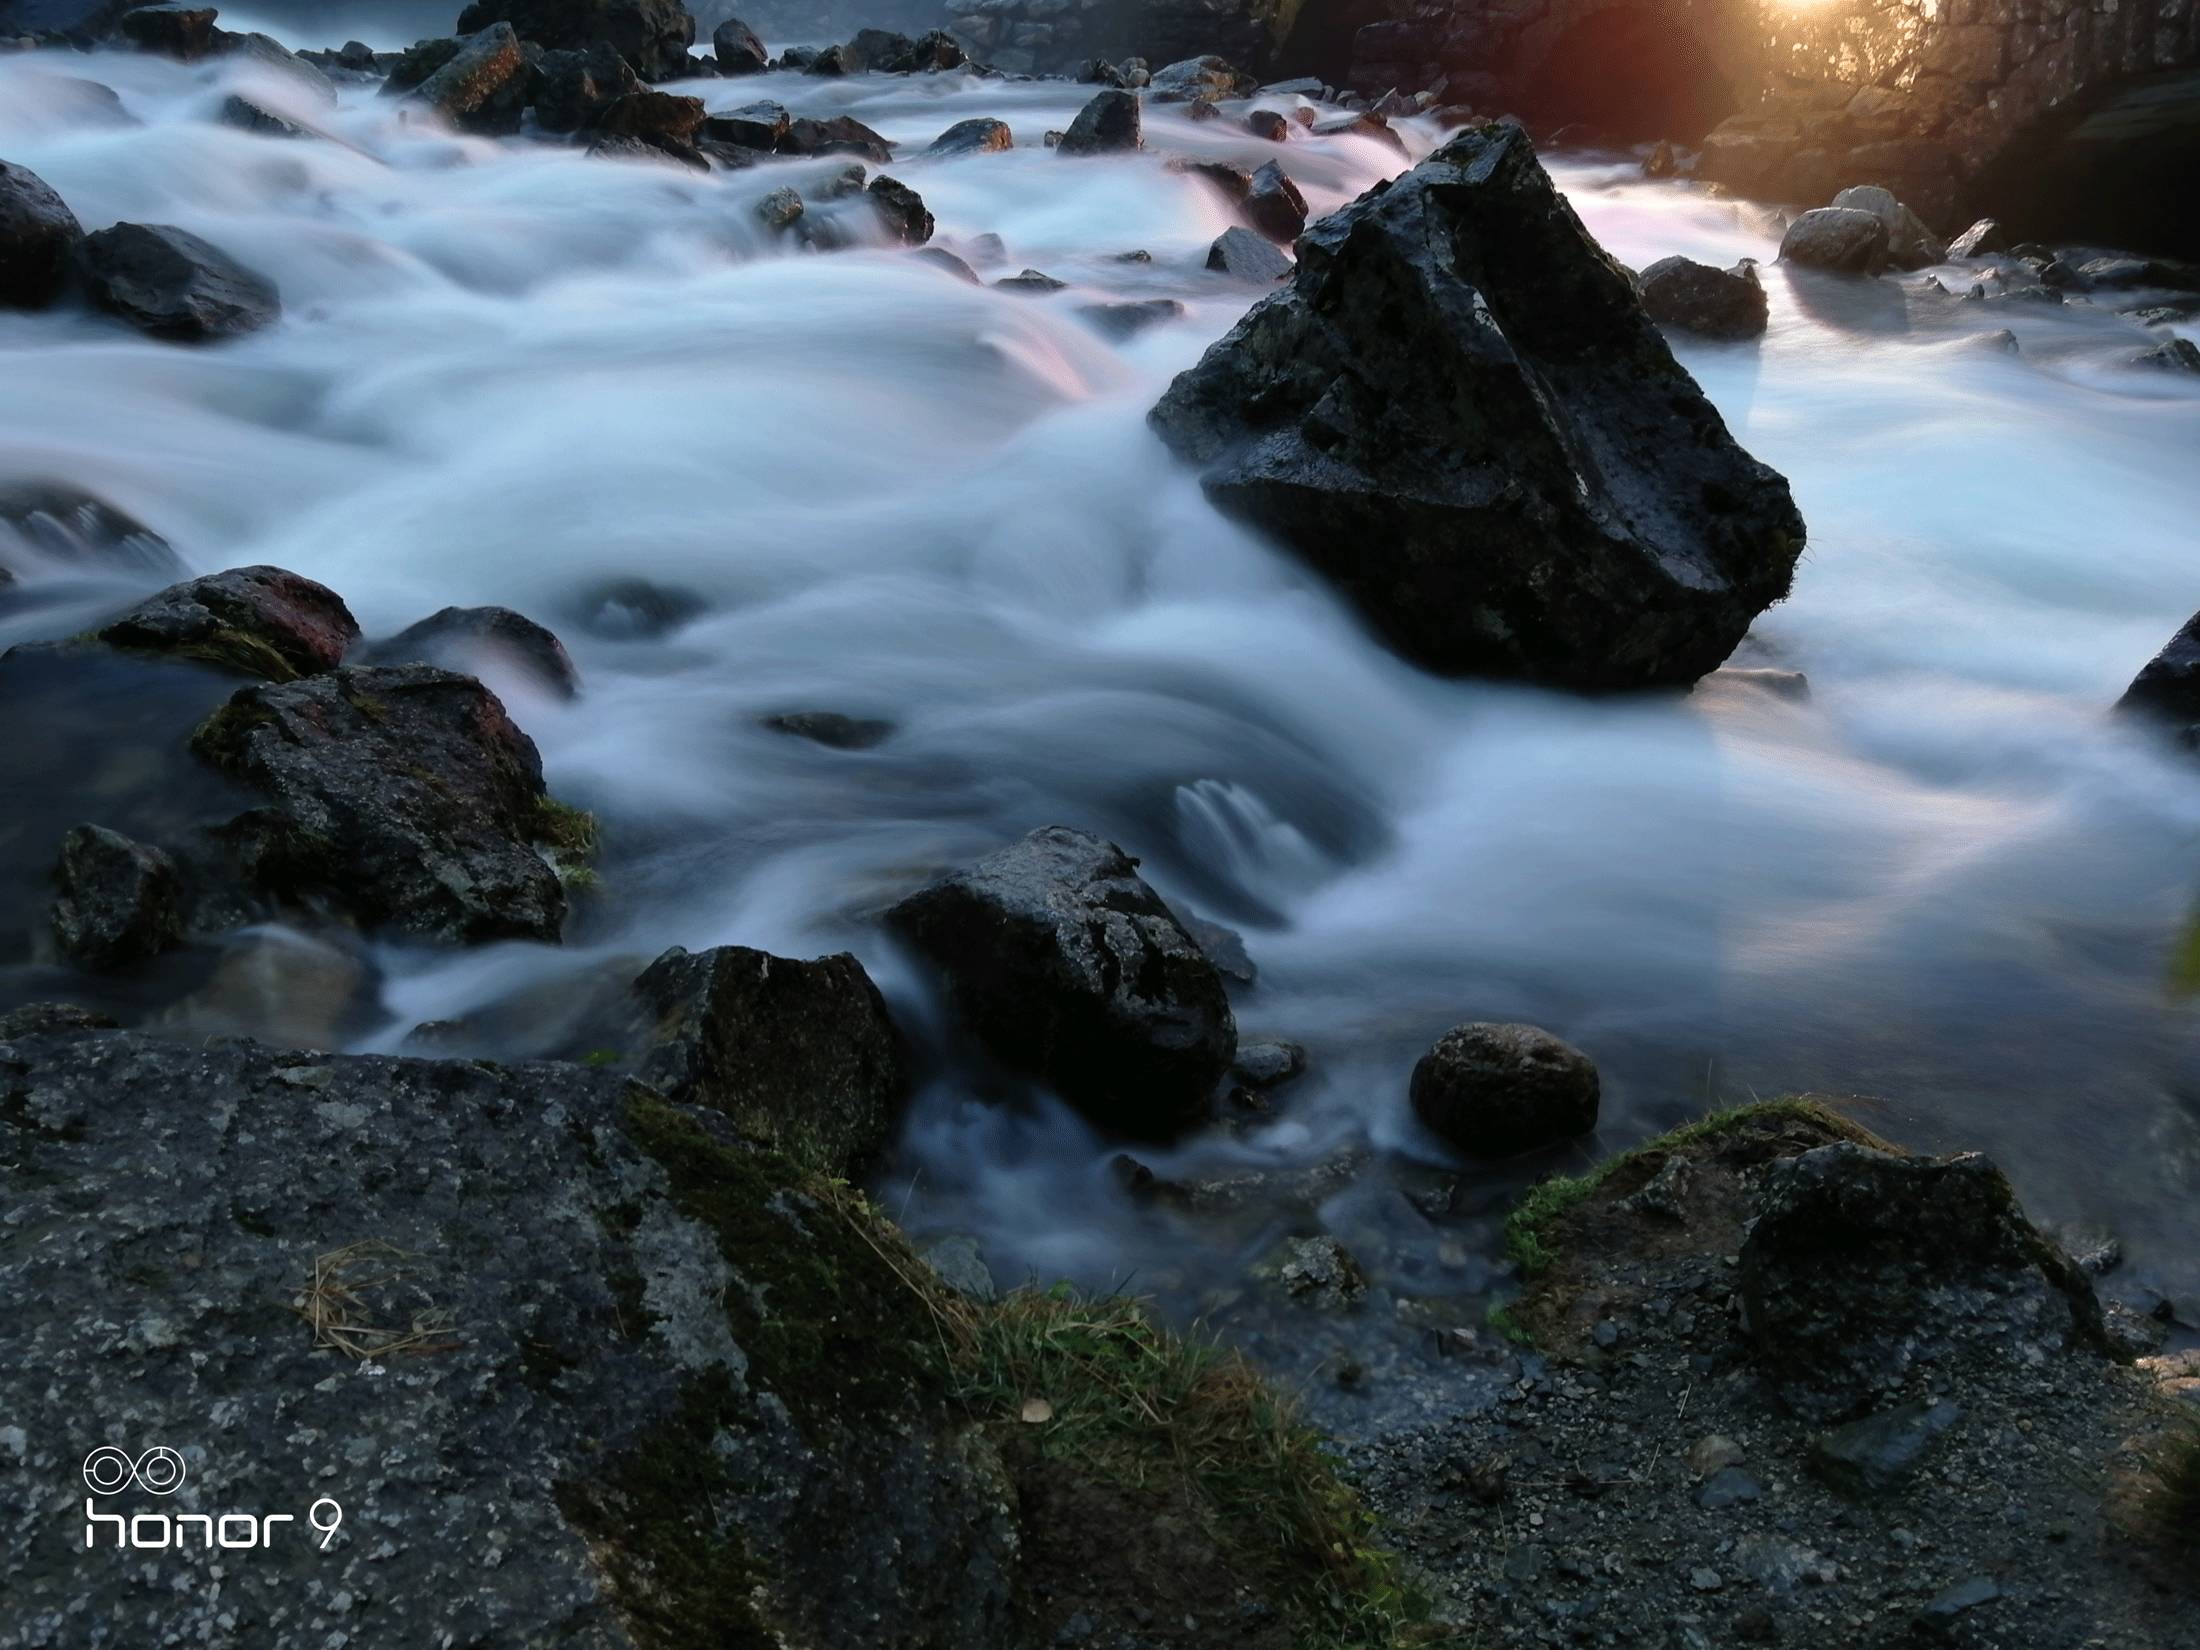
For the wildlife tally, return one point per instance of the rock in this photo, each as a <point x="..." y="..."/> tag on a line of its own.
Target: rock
<point x="738" y="48"/>
<point x="1069" y="967"/>
<point x="50" y="1019"/>
<point x="800" y="1056"/>
<point x="465" y="639"/>
<point x="653" y="151"/>
<point x="2168" y="689"/>
<point x="1245" y="256"/>
<point x="528" y="1310"/>
<point x="1364" y="123"/>
<point x="831" y="729"/>
<point x="940" y="257"/>
<point x="1713" y="1452"/>
<point x="902" y="210"/>
<point x="1356" y="416"/>
<point x="653" y="35"/>
<point x="1320" y="1272"/>
<point x="1126" y="320"/>
<point x="120" y="901"/>
<point x="779" y="209"/>
<point x="1661" y="162"/>
<point x="753" y="126"/>
<point x="1266" y="123"/>
<point x="961" y="1267"/>
<point x="881" y="51"/>
<point x="1268" y="1064"/>
<point x="1718" y="303"/>
<point x="574" y="87"/>
<point x="982" y="136"/>
<point x="1030" y="283"/>
<point x="248" y="116"/>
<point x="1274" y="206"/>
<point x="417" y="62"/>
<point x="1940" y="1612"/>
<point x="2171" y="355"/>
<point x="483" y="88"/>
<point x="842" y="135"/>
<point x="185" y="33"/>
<point x="1980" y="240"/>
<point x="1111" y="124"/>
<point x="1493" y="1090"/>
<point x="1234" y="183"/>
<point x="654" y="117"/>
<point x="1875" y="1455"/>
<point x="402" y="795"/>
<point x="1910" y="244"/>
<point x="171" y="284"/>
<point x="259" y="621"/>
<point x="1195" y="77"/>
<point x="1862" y="1267"/>
<point x="86" y="535"/>
<point x="1728" y="1487"/>
<point x="38" y="233"/>
<point x="266" y="52"/>
<point x="827" y="60"/>
<point x="1837" y="238"/>
<point x="626" y="610"/>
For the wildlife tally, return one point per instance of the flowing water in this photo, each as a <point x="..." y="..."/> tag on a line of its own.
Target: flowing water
<point x="508" y="373"/>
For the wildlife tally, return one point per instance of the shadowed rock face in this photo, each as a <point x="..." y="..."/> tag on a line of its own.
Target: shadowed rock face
<point x="37" y="234"/>
<point x="1460" y="413"/>
<point x="172" y="284"/>
<point x="653" y="35"/>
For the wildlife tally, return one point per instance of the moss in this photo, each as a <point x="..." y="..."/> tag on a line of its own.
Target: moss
<point x="220" y="739"/>
<point x="566" y="831"/>
<point x="223" y="647"/>
<point x="600" y="1057"/>
<point x="2171" y="1483"/>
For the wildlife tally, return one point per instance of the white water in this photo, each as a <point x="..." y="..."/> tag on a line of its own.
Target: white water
<point x="508" y="372"/>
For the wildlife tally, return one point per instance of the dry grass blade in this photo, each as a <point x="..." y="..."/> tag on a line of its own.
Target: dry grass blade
<point x="336" y="1304"/>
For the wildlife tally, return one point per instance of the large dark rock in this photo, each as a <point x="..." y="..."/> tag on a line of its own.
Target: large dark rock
<point x="902" y="210"/>
<point x="654" y="117"/>
<point x="799" y="1054"/>
<point x="261" y="621"/>
<point x="1716" y="303"/>
<point x="1070" y="968"/>
<point x="1245" y="256"/>
<point x="1864" y="1270"/>
<point x="1459" y="412"/>
<point x="1493" y="1090"/>
<point x="1911" y="243"/>
<point x="882" y="51"/>
<point x="841" y="135"/>
<point x="680" y="1391"/>
<point x="1274" y="206"/>
<point x="403" y="796"/>
<point x="37" y="234"/>
<point x="2167" y="691"/>
<point x="186" y="33"/>
<point x="1111" y="123"/>
<point x="417" y="62"/>
<point x="653" y="35"/>
<point x="573" y="88"/>
<point x="1839" y="238"/>
<point x="753" y="126"/>
<point x="1207" y="77"/>
<point x="174" y="285"/>
<point x="469" y="638"/>
<point x="119" y="902"/>
<point x="973" y="137"/>
<point x="738" y="49"/>
<point x="484" y="85"/>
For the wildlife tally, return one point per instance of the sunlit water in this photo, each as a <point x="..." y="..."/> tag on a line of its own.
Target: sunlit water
<point x="508" y="373"/>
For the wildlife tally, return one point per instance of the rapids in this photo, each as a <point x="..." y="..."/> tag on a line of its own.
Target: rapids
<point x="509" y="373"/>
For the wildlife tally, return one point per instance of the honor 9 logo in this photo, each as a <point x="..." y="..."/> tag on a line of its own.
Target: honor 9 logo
<point x="161" y="1471"/>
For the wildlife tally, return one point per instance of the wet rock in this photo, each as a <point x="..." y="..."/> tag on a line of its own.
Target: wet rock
<point x="1728" y="1487"/>
<point x="2171" y="355"/>
<point x="248" y="116"/>
<point x="402" y="795"/>
<point x="1245" y="256"/>
<point x="1111" y="124"/>
<point x="466" y="639"/>
<point x="651" y="151"/>
<point x="827" y="60"/>
<point x="1319" y="1272"/>
<point x="1873" y="1456"/>
<point x="38" y="233"/>
<point x="573" y="88"/>
<point x="1127" y="320"/>
<point x="654" y="117"/>
<point x="753" y="126"/>
<point x="842" y="135"/>
<point x="1030" y="283"/>
<point x="283" y="987"/>
<point x="1910" y="243"/>
<point x="1941" y="1610"/>
<point x="260" y="621"/>
<point x="940" y="257"/>
<point x="738" y="48"/>
<point x="50" y="1019"/>
<point x="483" y="88"/>
<point x="120" y="901"/>
<point x="653" y="35"/>
<point x="2167" y="691"/>
<point x="60" y="524"/>
<point x="982" y="136"/>
<point x="1838" y="238"/>
<point x="185" y="33"/>
<point x="1717" y="303"/>
<point x="1366" y="124"/>
<point x="171" y="284"/>
<point x="902" y="210"/>
<point x="1268" y="1064"/>
<point x="417" y="62"/>
<point x="1232" y="182"/>
<point x="626" y="610"/>
<point x="1274" y="206"/>
<point x="1266" y="123"/>
<point x="1661" y="162"/>
<point x="1862" y="1267"/>
<point x="779" y="209"/>
<point x="1980" y="240"/>
<point x="1206" y="77"/>
<point x="1357" y="417"/>
<point x="961" y="1267"/>
<point x="1493" y="1090"/>
<point x="800" y="1055"/>
<point x="882" y="51"/>
<point x="1068" y="966"/>
<point x="833" y="730"/>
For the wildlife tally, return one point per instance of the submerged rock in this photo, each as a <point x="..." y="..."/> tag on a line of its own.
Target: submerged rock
<point x="882" y="51"/>
<point x="172" y="284"/>
<point x="653" y="35"/>
<point x="1839" y="238"/>
<point x="1069" y="967"/>
<point x="260" y="621"/>
<point x="120" y="901"/>
<point x="1110" y="124"/>
<point x="465" y="638"/>
<point x="1129" y="319"/>
<point x="402" y="795"/>
<point x="85" y="534"/>
<point x="1494" y="1090"/>
<point x="1718" y="303"/>
<point x="832" y="729"/>
<point x="38" y="233"/>
<point x="1459" y="412"/>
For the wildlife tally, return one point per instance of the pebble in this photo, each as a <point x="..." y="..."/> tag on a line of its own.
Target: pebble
<point x="1705" y="1579"/>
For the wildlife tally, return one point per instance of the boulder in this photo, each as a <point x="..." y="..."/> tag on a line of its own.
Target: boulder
<point x="248" y="116"/>
<point x="753" y="126"/>
<point x="573" y="88"/>
<point x="841" y="135"/>
<point x="902" y="210"/>
<point x="1981" y="240"/>
<point x="417" y="62"/>
<point x="186" y="33"/>
<point x="168" y="282"/>
<point x="2167" y="691"/>
<point x="981" y="136"/>
<point x="1208" y="77"/>
<point x="1127" y="320"/>
<point x="1245" y="256"/>
<point x="1838" y="238"/>
<point x="1266" y="123"/>
<point x="881" y="51"/>
<point x="1069" y="967"/>
<point x="259" y="621"/>
<point x="87" y="535"/>
<point x="1864" y="1271"/>
<point x="653" y="35"/>
<point x="1717" y="303"/>
<point x="1494" y="1090"/>
<point x="401" y="795"/>
<point x="1460" y="413"/>
<point x="2171" y="355"/>
<point x="781" y="209"/>
<point x="466" y="639"/>
<point x="1233" y="182"/>
<point x="1110" y="124"/>
<point x="654" y="117"/>
<point x="38" y="233"/>
<point x="1274" y="206"/>
<point x="800" y="1055"/>
<point x="483" y="87"/>
<point x="120" y="901"/>
<point x="827" y="60"/>
<point x="1030" y="283"/>
<point x="738" y="48"/>
<point x="1364" y="123"/>
<point x="834" y="729"/>
<point x="1910" y="243"/>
